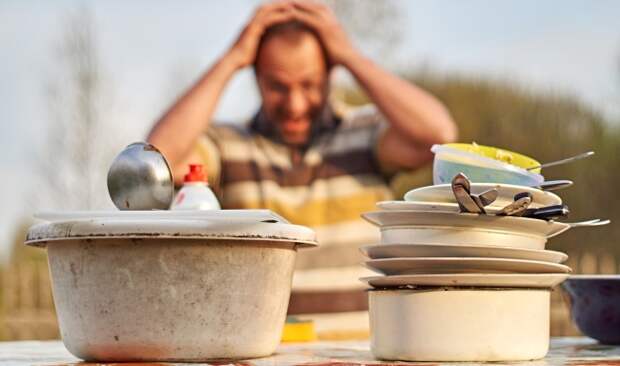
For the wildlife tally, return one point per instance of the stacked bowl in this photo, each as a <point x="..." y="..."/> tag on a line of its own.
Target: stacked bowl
<point x="458" y="286"/>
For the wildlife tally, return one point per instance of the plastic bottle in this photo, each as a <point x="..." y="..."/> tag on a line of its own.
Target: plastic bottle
<point x="195" y="193"/>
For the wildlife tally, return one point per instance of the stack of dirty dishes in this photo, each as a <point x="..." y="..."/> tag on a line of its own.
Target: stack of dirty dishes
<point x="464" y="273"/>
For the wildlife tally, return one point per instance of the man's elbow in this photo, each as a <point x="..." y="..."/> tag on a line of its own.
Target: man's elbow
<point x="447" y="131"/>
<point x="448" y="134"/>
<point x="154" y="136"/>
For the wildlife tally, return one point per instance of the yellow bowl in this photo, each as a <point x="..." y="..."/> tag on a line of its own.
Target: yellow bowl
<point x="298" y="331"/>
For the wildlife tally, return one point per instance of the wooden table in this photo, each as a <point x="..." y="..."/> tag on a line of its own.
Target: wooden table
<point x="570" y="351"/>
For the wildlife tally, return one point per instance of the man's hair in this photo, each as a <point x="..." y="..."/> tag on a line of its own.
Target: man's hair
<point x="292" y="32"/>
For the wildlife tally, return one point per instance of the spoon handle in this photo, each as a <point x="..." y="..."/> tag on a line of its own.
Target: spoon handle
<point x="589" y="223"/>
<point x="553" y="185"/>
<point x="547" y="213"/>
<point x="517" y="207"/>
<point x="563" y="161"/>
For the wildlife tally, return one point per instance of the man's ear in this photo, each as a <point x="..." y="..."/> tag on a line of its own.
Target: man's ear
<point x="255" y="69"/>
<point x="256" y="77"/>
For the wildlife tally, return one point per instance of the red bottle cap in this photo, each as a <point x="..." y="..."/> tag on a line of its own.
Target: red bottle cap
<point x="196" y="174"/>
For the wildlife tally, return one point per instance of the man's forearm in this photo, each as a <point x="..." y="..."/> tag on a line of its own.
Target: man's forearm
<point x="176" y="132"/>
<point x="416" y="114"/>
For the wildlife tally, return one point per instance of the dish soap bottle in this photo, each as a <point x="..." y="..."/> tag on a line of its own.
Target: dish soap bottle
<point x="195" y="193"/>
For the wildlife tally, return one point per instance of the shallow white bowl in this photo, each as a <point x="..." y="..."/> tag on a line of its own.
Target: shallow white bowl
<point x="460" y="236"/>
<point x="413" y="227"/>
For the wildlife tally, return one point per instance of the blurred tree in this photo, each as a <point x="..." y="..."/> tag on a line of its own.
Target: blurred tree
<point x="74" y="161"/>
<point x="375" y="26"/>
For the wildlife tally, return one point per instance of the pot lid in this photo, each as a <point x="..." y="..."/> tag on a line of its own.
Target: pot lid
<point x="252" y="225"/>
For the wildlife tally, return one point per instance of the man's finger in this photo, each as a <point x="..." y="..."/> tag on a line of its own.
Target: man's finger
<point x="276" y="18"/>
<point x="274" y="6"/>
<point x="264" y="18"/>
<point x="311" y="20"/>
<point x="284" y="8"/>
<point x="311" y="7"/>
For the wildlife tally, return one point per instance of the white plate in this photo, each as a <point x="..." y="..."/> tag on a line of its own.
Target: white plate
<point x="545" y="280"/>
<point x="401" y="266"/>
<point x="506" y="192"/>
<point x="508" y="224"/>
<point x="429" y="250"/>
<point x="426" y="206"/>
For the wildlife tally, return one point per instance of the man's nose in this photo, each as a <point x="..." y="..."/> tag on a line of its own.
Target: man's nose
<point x="296" y="103"/>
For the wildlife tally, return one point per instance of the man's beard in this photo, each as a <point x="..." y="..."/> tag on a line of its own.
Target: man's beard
<point x="318" y="117"/>
<point x="323" y="119"/>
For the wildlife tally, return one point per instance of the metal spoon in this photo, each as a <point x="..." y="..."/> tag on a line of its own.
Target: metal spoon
<point x="465" y="201"/>
<point x="488" y="197"/>
<point x="140" y="179"/>
<point x="553" y="185"/>
<point x="595" y="222"/>
<point x="462" y="180"/>
<point x="563" y="161"/>
<point x="460" y="189"/>
<point x="521" y="202"/>
<point x="485" y="198"/>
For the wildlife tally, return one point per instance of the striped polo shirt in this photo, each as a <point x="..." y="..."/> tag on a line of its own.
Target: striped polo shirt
<point x="325" y="186"/>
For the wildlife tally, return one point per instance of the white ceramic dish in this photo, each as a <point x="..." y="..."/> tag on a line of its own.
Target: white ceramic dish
<point x="460" y="236"/>
<point x="131" y="289"/>
<point x="466" y="220"/>
<point x="528" y="280"/>
<point x="448" y="324"/>
<point x="426" y="206"/>
<point x="427" y="250"/>
<point x="506" y="193"/>
<point x="401" y="266"/>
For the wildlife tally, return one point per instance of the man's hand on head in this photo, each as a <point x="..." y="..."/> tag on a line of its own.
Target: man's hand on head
<point x="417" y="119"/>
<point x="243" y="51"/>
<point x="320" y="18"/>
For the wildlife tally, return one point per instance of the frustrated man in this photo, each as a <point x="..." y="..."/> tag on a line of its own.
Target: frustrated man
<point x="297" y="156"/>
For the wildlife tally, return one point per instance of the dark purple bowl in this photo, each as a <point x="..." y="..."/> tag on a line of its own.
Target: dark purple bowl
<point x="595" y="305"/>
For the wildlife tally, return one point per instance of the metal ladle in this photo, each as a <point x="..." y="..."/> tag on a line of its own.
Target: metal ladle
<point x="140" y="179"/>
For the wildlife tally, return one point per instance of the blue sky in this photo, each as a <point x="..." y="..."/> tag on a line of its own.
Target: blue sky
<point x="151" y="49"/>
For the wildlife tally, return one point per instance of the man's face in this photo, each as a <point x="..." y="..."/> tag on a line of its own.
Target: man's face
<point x="292" y="79"/>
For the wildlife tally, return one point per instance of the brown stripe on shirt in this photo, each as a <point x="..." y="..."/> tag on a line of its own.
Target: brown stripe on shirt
<point x="354" y="162"/>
